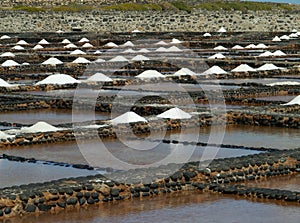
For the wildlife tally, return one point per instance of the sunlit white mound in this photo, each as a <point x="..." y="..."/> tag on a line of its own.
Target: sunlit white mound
<point x="268" y="67"/>
<point x="174" y="113"/>
<point x="39" y="127"/>
<point x="99" y="77"/>
<point x="52" y="61"/>
<point x="59" y="79"/>
<point x="295" y="101"/>
<point x="150" y="74"/>
<point x="214" y="70"/>
<point x="3" y="83"/>
<point x="284" y="83"/>
<point x="184" y="71"/>
<point x="128" y="117"/>
<point x="243" y="68"/>
<point x="9" y="63"/>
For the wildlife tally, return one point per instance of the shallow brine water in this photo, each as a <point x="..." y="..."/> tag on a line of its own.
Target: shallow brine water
<point x="285" y="98"/>
<point x="187" y="207"/>
<point x="284" y="183"/>
<point x="269" y="137"/>
<point x="18" y="173"/>
<point x="51" y="116"/>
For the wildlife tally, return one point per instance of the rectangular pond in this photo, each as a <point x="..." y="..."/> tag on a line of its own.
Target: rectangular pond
<point x="51" y="116"/>
<point x="18" y="173"/>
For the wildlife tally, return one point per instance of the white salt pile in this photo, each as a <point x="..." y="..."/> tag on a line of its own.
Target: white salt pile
<point x="128" y="117"/>
<point x="161" y="49"/>
<point x="17" y="47"/>
<point x="206" y="35"/>
<point x="59" y="31"/>
<point x="99" y="77"/>
<point x="243" y="68"/>
<point x="293" y="35"/>
<point x="7" y="54"/>
<point x="25" y="64"/>
<point x="173" y="49"/>
<point x="279" y="53"/>
<point x="284" y="83"/>
<point x="87" y="45"/>
<point x="175" y="41"/>
<point x="9" y="63"/>
<point x="276" y="39"/>
<point x="52" y="61"/>
<point x="39" y="127"/>
<point x="250" y="46"/>
<point x="136" y="31"/>
<point x="22" y="42"/>
<point x="5" y="37"/>
<point x="268" y="67"/>
<point x="161" y="43"/>
<point x="111" y="44"/>
<point x="222" y="30"/>
<point x="84" y="40"/>
<point x="128" y="43"/>
<point x="43" y="42"/>
<point x="3" y="83"/>
<point x="266" y="54"/>
<point x="143" y="50"/>
<point x="217" y="56"/>
<point x="59" y="79"/>
<point x="150" y="74"/>
<point x="174" y="113"/>
<point x="70" y="46"/>
<point x="129" y="51"/>
<point x="294" y="30"/>
<point x="77" y="52"/>
<point x="284" y="37"/>
<point x="140" y="58"/>
<point x="66" y="41"/>
<point x="184" y="71"/>
<point x="5" y="136"/>
<point x="99" y="60"/>
<point x="38" y="47"/>
<point x="80" y="60"/>
<point x="214" y="70"/>
<point x="295" y="101"/>
<point x="237" y="47"/>
<point x="261" y="46"/>
<point x="97" y="52"/>
<point x="119" y="59"/>
<point x="220" y="48"/>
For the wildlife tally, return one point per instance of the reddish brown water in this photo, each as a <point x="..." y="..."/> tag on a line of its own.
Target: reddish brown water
<point x="17" y="173"/>
<point x="281" y="138"/>
<point x="187" y="207"/>
<point x="52" y="116"/>
<point x="285" y="183"/>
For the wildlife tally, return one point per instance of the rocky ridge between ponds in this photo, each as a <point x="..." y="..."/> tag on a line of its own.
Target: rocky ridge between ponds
<point x="219" y="176"/>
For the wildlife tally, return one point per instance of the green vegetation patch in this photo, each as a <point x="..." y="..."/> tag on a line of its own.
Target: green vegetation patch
<point x="132" y="7"/>
<point x="27" y="8"/>
<point x="72" y="8"/>
<point x="182" y="6"/>
<point x="243" y="6"/>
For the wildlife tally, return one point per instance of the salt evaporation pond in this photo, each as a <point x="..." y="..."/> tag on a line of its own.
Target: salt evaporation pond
<point x="291" y="183"/>
<point x="89" y="93"/>
<point x="70" y="152"/>
<point x="285" y="98"/>
<point x="187" y="207"/>
<point x="252" y="80"/>
<point x="248" y="136"/>
<point x="271" y="137"/>
<point x="18" y="173"/>
<point x="51" y="116"/>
